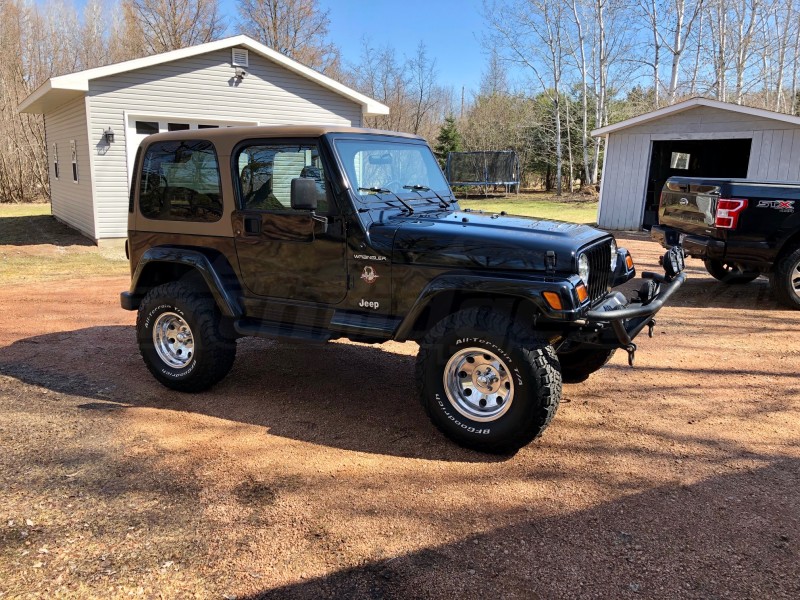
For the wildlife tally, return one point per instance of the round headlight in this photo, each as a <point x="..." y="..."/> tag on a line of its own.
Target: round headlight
<point x="613" y="254"/>
<point x="583" y="268"/>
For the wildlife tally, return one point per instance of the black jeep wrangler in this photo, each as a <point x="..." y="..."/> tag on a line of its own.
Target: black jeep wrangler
<point x="319" y="233"/>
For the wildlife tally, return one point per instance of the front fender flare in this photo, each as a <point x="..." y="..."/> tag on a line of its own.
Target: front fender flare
<point x="529" y="288"/>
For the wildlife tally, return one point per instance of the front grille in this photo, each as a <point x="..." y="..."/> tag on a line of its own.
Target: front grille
<point x="599" y="270"/>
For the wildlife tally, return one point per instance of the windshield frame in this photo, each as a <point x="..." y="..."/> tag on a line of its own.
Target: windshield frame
<point x="368" y="198"/>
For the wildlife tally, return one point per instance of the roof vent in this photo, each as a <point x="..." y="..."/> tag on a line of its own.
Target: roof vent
<point x="239" y="57"/>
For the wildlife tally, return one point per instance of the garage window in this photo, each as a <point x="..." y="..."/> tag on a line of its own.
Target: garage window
<point x="180" y="182"/>
<point x="146" y="127"/>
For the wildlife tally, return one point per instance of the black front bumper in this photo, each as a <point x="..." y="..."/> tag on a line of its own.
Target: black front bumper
<point x="616" y="322"/>
<point x="620" y="324"/>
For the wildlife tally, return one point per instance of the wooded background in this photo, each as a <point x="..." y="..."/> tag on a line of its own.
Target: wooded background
<point x="555" y="69"/>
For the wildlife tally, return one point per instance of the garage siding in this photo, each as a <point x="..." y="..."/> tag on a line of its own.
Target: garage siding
<point x="199" y="87"/>
<point x="774" y="156"/>
<point x="70" y="202"/>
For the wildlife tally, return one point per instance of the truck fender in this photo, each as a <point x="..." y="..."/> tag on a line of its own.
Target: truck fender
<point x="213" y="276"/>
<point x="528" y="289"/>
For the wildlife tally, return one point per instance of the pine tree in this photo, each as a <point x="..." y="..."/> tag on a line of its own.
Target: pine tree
<point x="448" y="140"/>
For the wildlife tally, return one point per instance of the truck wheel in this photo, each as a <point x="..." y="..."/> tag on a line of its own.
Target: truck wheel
<point x="486" y="383"/>
<point x="729" y="273"/>
<point x="578" y="363"/>
<point x="785" y="280"/>
<point x="178" y="330"/>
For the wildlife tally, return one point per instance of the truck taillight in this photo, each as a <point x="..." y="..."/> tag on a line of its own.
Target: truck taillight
<point x="728" y="211"/>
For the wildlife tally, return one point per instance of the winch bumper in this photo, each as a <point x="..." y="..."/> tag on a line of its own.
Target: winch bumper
<point x="616" y="323"/>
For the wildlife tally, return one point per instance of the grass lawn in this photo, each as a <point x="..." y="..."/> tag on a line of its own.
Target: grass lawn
<point x="536" y="205"/>
<point x="36" y="247"/>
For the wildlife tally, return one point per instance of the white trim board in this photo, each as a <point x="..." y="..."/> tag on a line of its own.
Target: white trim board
<point x="693" y="103"/>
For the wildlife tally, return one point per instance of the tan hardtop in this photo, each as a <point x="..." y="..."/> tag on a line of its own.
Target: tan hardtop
<point x="225" y="138"/>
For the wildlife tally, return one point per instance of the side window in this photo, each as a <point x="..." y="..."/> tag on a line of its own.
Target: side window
<point x="74" y="150"/>
<point x="180" y="182"/>
<point x="266" y="172"/>
<point x="55" y="160"/>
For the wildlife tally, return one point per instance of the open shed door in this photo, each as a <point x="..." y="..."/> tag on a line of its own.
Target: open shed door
<point x="692" y="158"/>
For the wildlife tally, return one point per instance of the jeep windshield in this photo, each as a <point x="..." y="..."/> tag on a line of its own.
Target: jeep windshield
<point x="391" y="170"/>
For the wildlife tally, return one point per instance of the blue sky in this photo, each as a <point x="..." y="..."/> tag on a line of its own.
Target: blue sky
<point x="451" y="29"/>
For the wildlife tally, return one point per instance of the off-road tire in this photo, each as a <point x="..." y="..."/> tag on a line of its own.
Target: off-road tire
<point x="213" y="353"/>
<point x="577" y="364"/>
<point x="533" y="370"/>
<point x="729" y="273"/>
<point x="785" y="279"/>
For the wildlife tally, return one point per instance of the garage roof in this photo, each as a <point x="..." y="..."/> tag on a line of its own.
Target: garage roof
<point x="692" y="103"/>
<point x="57" y="90"/>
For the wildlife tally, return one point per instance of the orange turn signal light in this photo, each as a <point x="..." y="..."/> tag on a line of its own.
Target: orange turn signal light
<point x="553" y="300"/>
<point x="583" y="293"/>
<point x="629" y="262"/>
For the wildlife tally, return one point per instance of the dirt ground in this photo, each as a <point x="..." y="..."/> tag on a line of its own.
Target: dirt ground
<point x="312" y="471"/>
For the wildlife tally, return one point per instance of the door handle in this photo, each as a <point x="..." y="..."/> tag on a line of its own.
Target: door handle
<point x="252" y="225"/>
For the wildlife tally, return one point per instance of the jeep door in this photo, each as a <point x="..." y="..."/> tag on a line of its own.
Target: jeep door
<point x="285" y="253"/>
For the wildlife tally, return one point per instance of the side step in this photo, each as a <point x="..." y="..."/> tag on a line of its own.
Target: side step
<point x="364" y="324"/>
<point x="286" y="331"/>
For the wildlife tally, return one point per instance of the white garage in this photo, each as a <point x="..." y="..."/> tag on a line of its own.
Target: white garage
<point x="695" y="138"/>
<point x="95" y="119"/>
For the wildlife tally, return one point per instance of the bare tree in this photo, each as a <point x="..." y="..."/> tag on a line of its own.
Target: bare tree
<point x="532" y="32"/>
<point x="296" y="28"/>
<point x="165" y="25"/>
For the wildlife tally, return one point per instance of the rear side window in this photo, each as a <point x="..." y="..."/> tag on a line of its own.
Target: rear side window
<point x="180" y="182"/>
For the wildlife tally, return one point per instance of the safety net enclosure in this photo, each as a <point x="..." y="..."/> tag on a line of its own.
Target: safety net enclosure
<point x="482" y="168"/>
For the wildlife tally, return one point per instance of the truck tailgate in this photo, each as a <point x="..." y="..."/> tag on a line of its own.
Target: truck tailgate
<point x="689" y="207"/>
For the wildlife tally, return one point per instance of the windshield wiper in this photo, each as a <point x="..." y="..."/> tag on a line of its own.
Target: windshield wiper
<point x="380" y="190"/>
<point x="424" y="188"/>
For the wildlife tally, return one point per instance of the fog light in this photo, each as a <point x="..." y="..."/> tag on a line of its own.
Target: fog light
<point x="553" y="300"/>
<point x="673" y="261"/>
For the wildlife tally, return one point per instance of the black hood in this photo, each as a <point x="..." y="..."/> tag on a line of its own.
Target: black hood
<point x="460" y="239"/>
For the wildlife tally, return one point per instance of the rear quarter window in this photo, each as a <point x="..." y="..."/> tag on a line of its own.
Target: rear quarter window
<point x="180" y="182"/>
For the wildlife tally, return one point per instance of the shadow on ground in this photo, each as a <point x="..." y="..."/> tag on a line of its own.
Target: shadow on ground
<point x="354" y="397"/>
<point x="38" y="229"/>
<point x="642" y="546"/>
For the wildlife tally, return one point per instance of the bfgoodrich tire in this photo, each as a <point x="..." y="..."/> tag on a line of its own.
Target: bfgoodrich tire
<point x="577" y="364"/>
<point x="486" y="383"/>
<point x="178" y="330"/>
<point x="728" y="272"/>
<point x="785" y="280"/>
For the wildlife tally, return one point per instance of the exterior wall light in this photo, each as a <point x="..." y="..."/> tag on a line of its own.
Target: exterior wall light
<point x="108" y="136"/>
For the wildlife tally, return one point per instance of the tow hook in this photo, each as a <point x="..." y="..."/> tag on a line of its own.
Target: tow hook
<point x="650" y="326"/>
<point x="631" y="350"/>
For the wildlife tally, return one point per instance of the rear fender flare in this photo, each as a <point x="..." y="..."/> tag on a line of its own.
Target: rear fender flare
<point x="214" y="274"/>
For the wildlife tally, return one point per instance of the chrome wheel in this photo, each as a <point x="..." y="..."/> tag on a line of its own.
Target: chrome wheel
<point x="794" y="279"/>
<point x="478" y="384"/>
<point x="173" y="340"/>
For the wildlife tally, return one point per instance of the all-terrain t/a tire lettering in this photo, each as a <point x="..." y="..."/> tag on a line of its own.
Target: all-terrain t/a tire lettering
<point x="178" y="330"/>
<point x="512" y="361"/>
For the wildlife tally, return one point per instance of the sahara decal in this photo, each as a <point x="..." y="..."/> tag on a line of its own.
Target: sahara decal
<point x="369" y="275"/>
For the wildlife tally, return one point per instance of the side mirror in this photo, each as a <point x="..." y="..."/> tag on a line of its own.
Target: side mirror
<point x="304" y="193"/>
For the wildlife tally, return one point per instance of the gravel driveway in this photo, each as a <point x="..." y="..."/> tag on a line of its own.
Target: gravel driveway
<point x="312" y="472"/>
